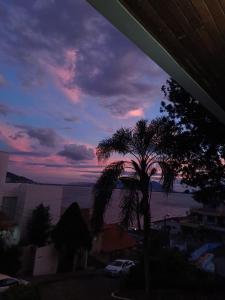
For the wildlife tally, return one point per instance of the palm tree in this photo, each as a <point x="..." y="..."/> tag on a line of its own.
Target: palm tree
<point x="148" y="147"/>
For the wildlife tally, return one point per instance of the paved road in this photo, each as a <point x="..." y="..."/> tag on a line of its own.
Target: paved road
<point x="83" y="286"/>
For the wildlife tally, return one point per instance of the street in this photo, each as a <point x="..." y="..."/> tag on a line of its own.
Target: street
<point x="81" y="286"/>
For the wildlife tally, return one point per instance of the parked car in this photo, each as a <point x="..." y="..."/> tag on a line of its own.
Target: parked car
<point x="7" y="282"/>
<point x="119" y="267"/>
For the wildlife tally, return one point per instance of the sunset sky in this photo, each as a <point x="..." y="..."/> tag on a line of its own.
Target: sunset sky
<point x="68" y="79"/>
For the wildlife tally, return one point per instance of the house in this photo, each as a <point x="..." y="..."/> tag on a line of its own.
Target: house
<point x="112" y="242"/>
<point x="206" y="219"/>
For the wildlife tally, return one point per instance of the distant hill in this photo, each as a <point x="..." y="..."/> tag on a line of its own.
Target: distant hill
<point x="13" y="178"/>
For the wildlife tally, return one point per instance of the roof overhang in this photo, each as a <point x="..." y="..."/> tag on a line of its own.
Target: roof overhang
<point x="125" y="20"/>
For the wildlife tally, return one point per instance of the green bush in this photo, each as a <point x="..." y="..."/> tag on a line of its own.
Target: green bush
<point x="170" y="270"/>
<point x="21" y="293"/>
<point x="9" y="259"/>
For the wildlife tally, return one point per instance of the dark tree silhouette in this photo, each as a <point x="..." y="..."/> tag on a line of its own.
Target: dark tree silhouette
<point x="9" y="259"/>
<point x="39" y="226"/>
<point x="69" y="235"/>
<point x="204" y="148"/>
<point x="147" y="146"/>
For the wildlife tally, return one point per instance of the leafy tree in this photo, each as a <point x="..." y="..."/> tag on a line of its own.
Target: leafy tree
<point x="172" y="271"/>
<point x="147" y="146"/>
<point x="71" y="234"/>
<point x="203" y="148"/>
<point x="9" y="259"/>
<point x="39" y="226"/>
<point x="30" y="292"/>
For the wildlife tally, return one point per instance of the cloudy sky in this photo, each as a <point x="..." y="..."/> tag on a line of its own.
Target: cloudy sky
<point x="68" y="79"/>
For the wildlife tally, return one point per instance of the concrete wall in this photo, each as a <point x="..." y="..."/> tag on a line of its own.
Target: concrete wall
<point x="32" y="195"/>
<point x="81" y="195"/>
<point x="4" y="158"/>
<point x="46" y="261"/>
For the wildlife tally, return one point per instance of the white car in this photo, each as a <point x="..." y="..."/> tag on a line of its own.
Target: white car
<point x="119" y="267"/>
<point x="6" y="282"/>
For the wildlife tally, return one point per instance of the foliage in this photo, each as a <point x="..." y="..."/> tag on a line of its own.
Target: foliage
<point x="170" y="270"/>
<point x="71" y="234"/>
<point x="202" y="147"/>
<point x="39" y="226"/>
<point x="71" y="230"/>
<point x="148" y="146"/>
<point x="21" y="293"/>
<point x="103" y="191"/>
<point x="9" y="259"/>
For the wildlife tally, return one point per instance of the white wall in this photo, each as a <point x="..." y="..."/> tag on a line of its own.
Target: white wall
<point x="79" y="194"/>
<point x="4" y="158"/>
<point x="46" y="261"/>
<point x="32" y="195"/>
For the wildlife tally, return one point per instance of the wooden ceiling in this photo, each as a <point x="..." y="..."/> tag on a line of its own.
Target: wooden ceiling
<point x="193" y="32"/>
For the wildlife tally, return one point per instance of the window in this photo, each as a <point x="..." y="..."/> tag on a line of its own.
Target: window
<point x="9" y="206"/>
<point x="117" y="263"/>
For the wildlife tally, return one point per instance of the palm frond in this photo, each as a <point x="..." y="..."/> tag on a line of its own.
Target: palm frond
<point x="136" y="167"/>
<point x="102" y="192"/>
<point x="130" y="183"/>
<point x="118" y="143"/>
<point x="152" y="172"/>
<point x="140" y="139"/>
<point x="168" y="176"/>
<point x="129" y="206"/>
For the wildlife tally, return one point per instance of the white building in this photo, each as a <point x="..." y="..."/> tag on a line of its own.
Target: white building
<point x="17" y="200"/>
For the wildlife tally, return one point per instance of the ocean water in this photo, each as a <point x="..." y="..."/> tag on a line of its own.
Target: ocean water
<point x="173" y="205"/>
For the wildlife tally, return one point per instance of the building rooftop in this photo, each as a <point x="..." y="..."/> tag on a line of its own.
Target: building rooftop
<point x="115" y="238"/>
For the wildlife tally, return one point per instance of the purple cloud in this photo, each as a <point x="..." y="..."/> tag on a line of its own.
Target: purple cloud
<point x="45" y="136"/>
<point x="29" y="154"/>
<point x="71" y="119"/>
<point x="77" y="152"/>
<point x="3" y="81"/>
<point x="107" y="67"/>
<point x="5" y="109"/>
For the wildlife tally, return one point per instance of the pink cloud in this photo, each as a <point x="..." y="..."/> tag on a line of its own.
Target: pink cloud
<point x="63" y="75"/>
<point x="47" y="169"/>
<point x="133" y="113"/>
<point x="139" y="112"/>
<point x="7" y="134"/>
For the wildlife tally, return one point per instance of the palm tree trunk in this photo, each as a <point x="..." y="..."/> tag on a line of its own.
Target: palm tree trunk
<point x="138" y="216"/>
